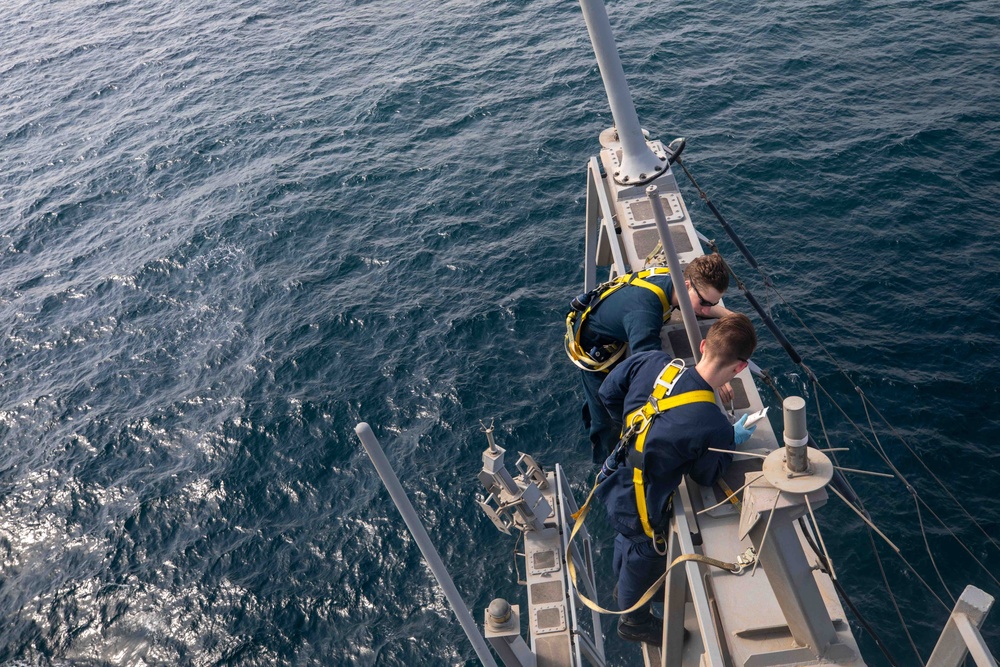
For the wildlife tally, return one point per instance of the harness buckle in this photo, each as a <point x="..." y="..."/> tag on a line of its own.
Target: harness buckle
<point x="661" y="379"/>
<point x="640" y="425"/>
<point x="659" y="539"/>
<point x="663" y="386"/>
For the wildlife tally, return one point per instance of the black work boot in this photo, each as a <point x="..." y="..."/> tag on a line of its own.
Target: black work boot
<point x="641" y="626"/>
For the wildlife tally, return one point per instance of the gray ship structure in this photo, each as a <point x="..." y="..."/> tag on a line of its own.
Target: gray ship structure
<point x="749" y="579"/>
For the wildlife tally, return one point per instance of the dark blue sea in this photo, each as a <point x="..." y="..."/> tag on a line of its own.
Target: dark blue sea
<point x="230" y="231"/>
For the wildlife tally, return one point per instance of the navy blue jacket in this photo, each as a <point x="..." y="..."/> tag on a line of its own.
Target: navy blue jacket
<point x="676" y="444"/>
<point x="632" y="315"/>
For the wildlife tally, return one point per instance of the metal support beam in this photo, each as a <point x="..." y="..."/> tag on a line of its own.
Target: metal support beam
<point x="767" y="511"/>
<point x="961" y="636"/>
<point x="674" y="597"/>
<point x="713" y="656"/>
<point x="423" y="541"/>
<point x="600" y="222"/>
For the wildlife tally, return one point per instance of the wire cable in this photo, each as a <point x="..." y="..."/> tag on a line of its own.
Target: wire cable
<point x="765" y="316"/>
<point x="876" y="446"/>
<point x="871" y="539"/>
<point x="910" y="487"/>
<point x="866" y="402"/>
<point x="916" y="502"/>
<point x="843" y="596"/>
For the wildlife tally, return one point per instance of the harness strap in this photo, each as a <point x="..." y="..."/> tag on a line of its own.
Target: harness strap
<point x="572" y="345"/>
<point x="639" y="421"/>
<point x="578" y="518"/>
<point x="730" y="496"/>
<point x="660" y="294"/>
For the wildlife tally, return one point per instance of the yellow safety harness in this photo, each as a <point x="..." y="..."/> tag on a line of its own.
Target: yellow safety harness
<point x="638" y="421"/>
<point x="580" y="357"/>
<point x="637" y="424"/>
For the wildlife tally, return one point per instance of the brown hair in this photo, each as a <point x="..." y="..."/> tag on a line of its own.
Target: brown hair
<point x="731" y="339"/>
<point x="708" y="271"/>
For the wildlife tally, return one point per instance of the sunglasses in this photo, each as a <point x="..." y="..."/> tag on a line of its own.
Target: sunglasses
<point x="702" y="300"/>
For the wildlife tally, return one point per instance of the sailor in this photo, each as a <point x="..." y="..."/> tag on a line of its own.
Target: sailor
<point x="634" y="313"/>
<point x="674" y="421"/>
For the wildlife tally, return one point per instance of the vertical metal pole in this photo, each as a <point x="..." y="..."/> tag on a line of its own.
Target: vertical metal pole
<point x="639" y="163"/>
<point x="676" y="274"/>
<point x="423" y="541"/>
<point x="796" y="435"/>
<point x="788" y="571"/>
<point x="592" y="237"/>
<point x="607" y="220"/>
<point x="488" y="430"/>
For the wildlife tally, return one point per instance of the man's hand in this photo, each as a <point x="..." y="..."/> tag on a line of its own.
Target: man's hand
<point x="740" y="433"/>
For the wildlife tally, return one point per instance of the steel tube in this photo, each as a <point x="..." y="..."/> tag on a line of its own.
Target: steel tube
<point x="639" y="163"/>
<point x="423" y="540"/>
<point x="676" y="274"/>
<point x="796" y="436"/>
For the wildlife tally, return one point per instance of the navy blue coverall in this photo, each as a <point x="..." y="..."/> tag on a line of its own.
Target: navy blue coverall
<point x="632" y="315"/>
<point x="677" y="444"/>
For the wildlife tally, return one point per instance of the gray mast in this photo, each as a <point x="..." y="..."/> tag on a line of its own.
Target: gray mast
<point x="639" y="163"/>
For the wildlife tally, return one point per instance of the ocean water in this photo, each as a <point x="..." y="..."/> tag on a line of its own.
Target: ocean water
<point x="230" y="231"/>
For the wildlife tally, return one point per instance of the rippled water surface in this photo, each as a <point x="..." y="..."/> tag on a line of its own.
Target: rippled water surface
<point x="231" y="231"/>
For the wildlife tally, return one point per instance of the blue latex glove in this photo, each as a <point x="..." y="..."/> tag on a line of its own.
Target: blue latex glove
<point x="740" y="433"/>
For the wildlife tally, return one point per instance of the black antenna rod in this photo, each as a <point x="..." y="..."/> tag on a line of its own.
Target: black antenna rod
<point x="674" y="149"/>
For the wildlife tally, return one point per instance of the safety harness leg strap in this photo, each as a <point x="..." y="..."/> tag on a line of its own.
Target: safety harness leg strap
<point x="735" y="568"/>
